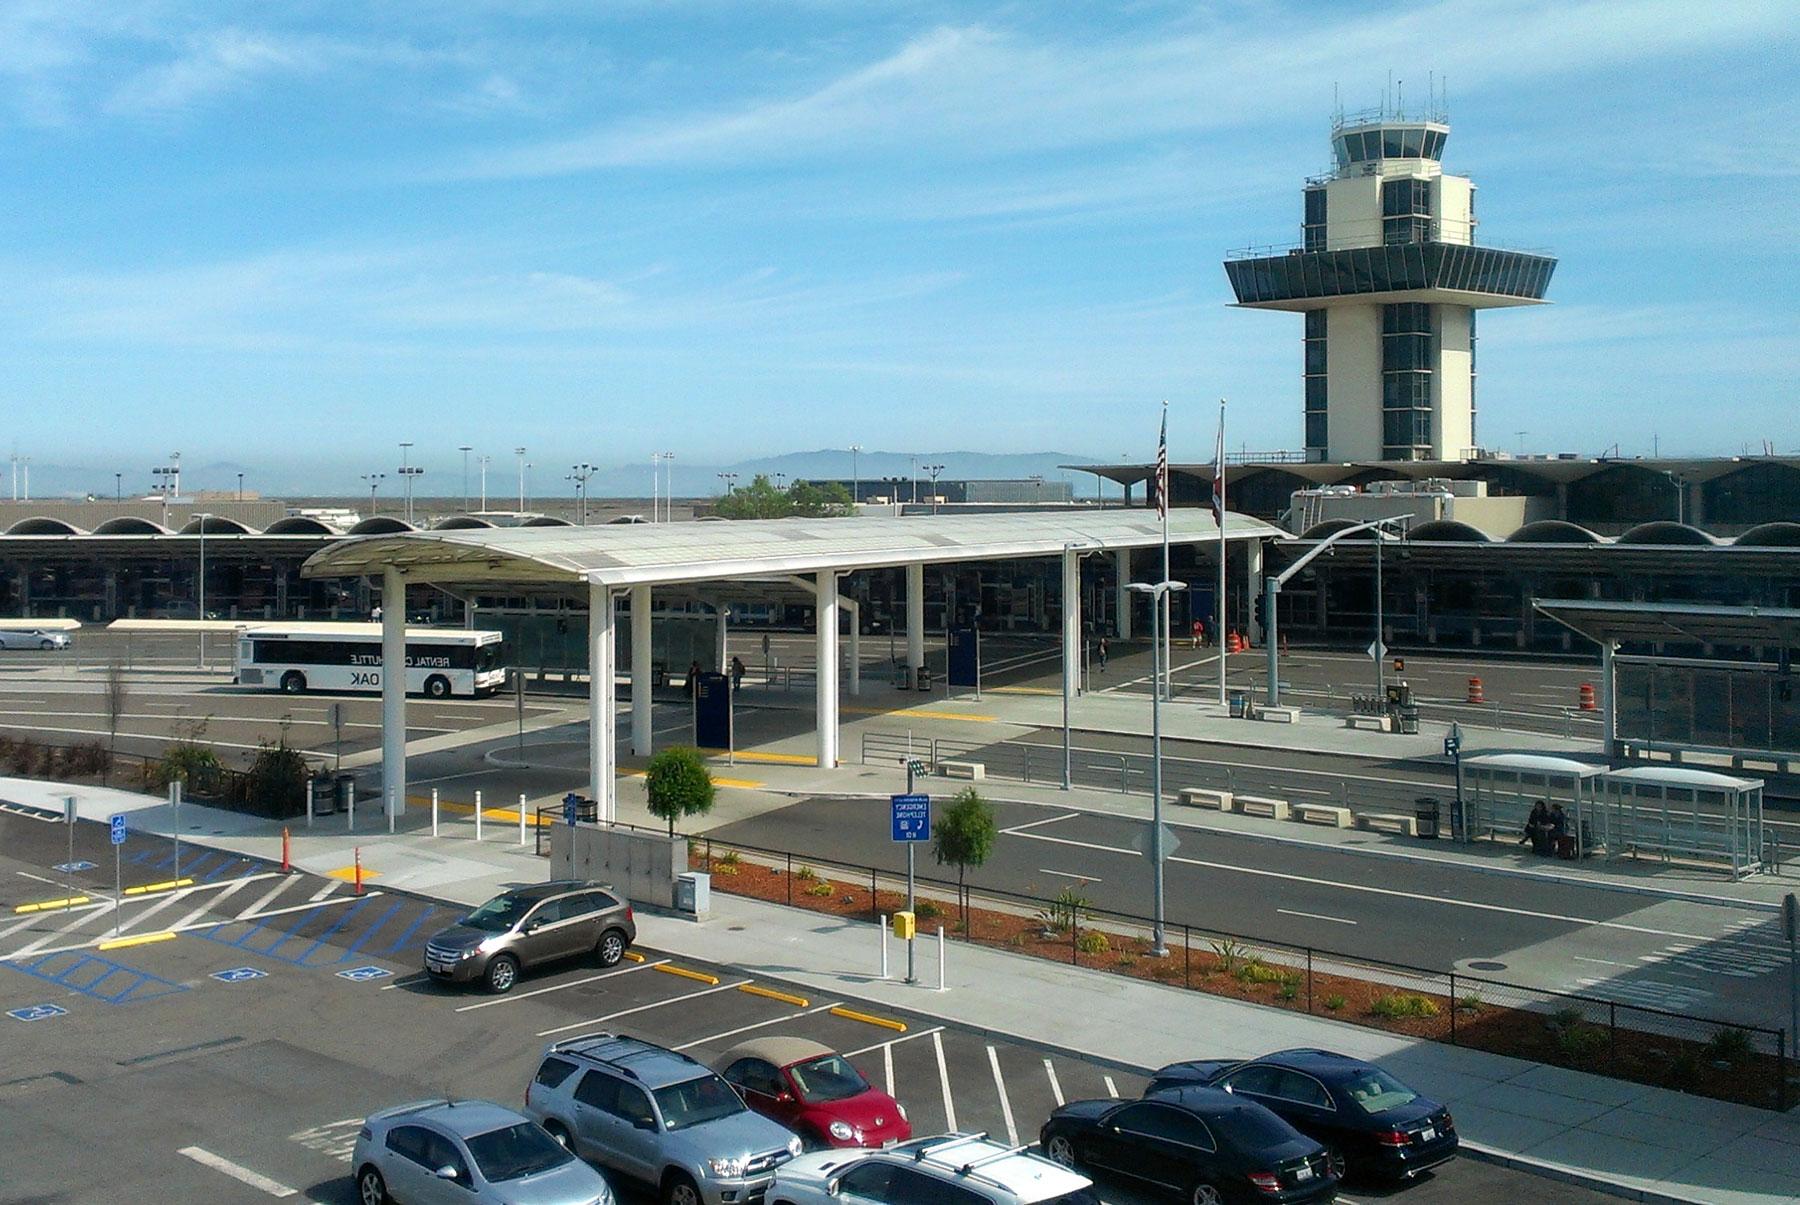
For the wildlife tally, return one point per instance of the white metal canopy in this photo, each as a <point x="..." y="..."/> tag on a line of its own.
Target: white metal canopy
<point x="665" y="553"/>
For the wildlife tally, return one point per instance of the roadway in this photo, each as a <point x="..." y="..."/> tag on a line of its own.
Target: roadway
<point x="235" y="1060"/>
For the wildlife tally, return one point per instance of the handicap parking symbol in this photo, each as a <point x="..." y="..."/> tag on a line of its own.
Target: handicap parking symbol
<point x="72" y="867"/>
<point x="364" y="974"/>
<point x="239" y="975"/>
<point x="37" y="1012"/>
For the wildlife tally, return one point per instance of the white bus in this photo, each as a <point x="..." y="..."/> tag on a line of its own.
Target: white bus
<point x="297" y="657"/>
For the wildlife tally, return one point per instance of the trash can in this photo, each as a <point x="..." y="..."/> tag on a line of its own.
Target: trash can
<point x="924" y="678"/>
<point x="1239" y="704"/>
<point x="1425" y="813"/>
<point x="1409" y="719"/>
<point x="693" y="894"/>
<point x="324" y="795"/>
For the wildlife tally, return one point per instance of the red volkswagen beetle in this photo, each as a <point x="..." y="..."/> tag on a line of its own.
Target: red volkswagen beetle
<point x="815" y="1092"/>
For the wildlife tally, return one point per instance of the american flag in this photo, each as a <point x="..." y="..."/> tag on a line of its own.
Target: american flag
<point x="1162" y="467"/>
<point x="1218" y="485"/>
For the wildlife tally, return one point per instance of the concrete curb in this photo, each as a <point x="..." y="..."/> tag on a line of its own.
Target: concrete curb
<point x="1667" y="893"/>
<point x="1564" y="1174"/>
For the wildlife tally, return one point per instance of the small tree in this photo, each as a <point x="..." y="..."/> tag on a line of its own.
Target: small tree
<point x="678" y="784"/>
<point x="115" y="695"/>
<point x="962" y="837"/>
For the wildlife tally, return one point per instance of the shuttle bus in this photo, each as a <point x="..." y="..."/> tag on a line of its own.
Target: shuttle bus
<point x="346" y="657"/>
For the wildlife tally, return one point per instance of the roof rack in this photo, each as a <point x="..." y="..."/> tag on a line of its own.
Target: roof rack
<point x="954" y="1140"/>
<point x="968" y="1169"/>
<point x="576" y="1043"/>
<point x="632" y="1049"/>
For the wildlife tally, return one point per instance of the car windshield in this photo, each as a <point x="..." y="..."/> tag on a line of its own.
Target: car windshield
<point x="498" y="914"/>
<point x="828" y="1077"/>
<point x="1375" y="1091"/>
<point x="516" y="1151"/>
<point x="696" y="1102"/>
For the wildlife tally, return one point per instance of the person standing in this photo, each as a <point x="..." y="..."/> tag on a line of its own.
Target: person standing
<point x="737" y="674"/>
<point x="1101" y="651"/>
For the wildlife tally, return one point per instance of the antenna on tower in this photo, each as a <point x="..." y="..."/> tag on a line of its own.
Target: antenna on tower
<point x="1400" y="100"/>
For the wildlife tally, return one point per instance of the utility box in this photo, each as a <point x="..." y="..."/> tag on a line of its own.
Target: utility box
<point x="906" y="925"/>
<point x="693" y="894"/>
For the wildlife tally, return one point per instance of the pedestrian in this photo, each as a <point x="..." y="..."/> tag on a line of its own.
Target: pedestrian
<point x="693" y="679"/>
<point x="1561" y="843"/>
<point x="1102" y="651"/>
<point x="1536" y="825"/>
<point x="737" y="674"/>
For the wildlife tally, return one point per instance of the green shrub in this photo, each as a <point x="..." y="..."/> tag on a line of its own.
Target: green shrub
<point x="928" y="910"/>
<point x="1065" y="911"/>
<point x="1567" y="1018"/>
<point x="1230" y="954"/>
<point x="1683" y="1071"/>
<point x="276" y="783"/>
<point x="1471" y="1003"/>
<point x="1092" y="942"/>
<point x="1397" y="1005"/>
<point x="85" y="759"/>
<point x="183" y="761"/>
<point x="1335" y="1001"/>
<point x="821" y="889"/>
<point x="727" y="863"/>
<point x="1257" y="971"/>
<point x="1290" y="987"/>
<point x="1581" y="1041"/>
<point x="806" y="874"/>
<point x="1729" y="1046"/>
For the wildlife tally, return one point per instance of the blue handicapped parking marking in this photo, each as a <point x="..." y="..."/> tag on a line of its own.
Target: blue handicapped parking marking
<point x="239" y="975"/>
<point x="85" y="973"/>
<point x="364" y="974"/>
<point x="72" y="867"/>
<point x="37" y="1012"/>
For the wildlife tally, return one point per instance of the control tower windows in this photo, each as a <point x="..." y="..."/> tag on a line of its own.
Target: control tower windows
<point x="1407" y="336"/>
<point x="1405" y="211"/>
<point x="1313" y="227"/>
<point x="1316" y="426"/>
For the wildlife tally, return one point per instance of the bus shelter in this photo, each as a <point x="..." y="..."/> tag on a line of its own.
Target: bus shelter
<point x="1500" y="789"/>
<point x="1676" y="812"/>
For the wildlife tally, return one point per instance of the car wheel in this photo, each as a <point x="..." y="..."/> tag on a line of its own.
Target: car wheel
<point x="611" y="948"/>
<point x="1206" y="1194"/>
<point x="502" y="973"/>
<point x="1060" y="1150"/>
<point x="1335" y="1159"/>
<point x="437" y="686"/>
<point x="680" y="1189"/>
<point x="563" y="1138"/>
<point x="293" y="682"/>
<point x="47" y="645"/>
<point x="371" y="1189"/>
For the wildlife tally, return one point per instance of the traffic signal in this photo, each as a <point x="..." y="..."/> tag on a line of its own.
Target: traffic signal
<point x="1262" y="611"/>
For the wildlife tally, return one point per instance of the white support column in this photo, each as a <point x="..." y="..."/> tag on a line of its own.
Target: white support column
<point x="393" y="689"/>
<point x="1609" y="701"/>
<point x="602" y="756"/>
<point x="915" y="620"/>
<point x="825" y="605"/>
<point x="722" y="621"/>
<point x="1071" y="622"/>
<point x="854" y="684"/>
<point x="642" y="704"/>
<point x="1253" y="587"/>
<point x="1122" y="601"/>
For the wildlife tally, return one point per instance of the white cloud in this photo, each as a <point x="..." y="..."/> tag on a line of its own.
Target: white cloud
<point x="214" y="63"/>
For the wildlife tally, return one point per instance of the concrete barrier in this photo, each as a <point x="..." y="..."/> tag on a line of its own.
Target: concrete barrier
<point x="1200" y="797"/>
<point x="1399" y="822"/>
<point x="1279" y="715"/>
<point x="1322" y="813"/>
<point x="974" y="771"/>
<point x="640" y="866"/>
<point x="1262" y="805"/>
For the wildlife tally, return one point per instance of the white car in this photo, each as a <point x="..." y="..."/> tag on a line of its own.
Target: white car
<point x="950" y="1169"/>
<point x="32" y="638"/>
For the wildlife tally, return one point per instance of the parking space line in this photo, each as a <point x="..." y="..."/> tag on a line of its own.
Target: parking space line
<point x="1012" y="1131"/>
<point x="212" y="902"/>
<point x="406" y="933"/>
<point x="267" y="897"/>
<point x="346" y="918"/>
<point x="732" y="1033"/>
<point x="887" y="1066"/>
<point x="322" y="892"/>
<point x="937" y="1042"/>
<point x="873" y="1046"/>
<point x="513" y="997"/>
<point x="66" y="927"/>
<point x="160" y="905"/>
<point x="241" y="1174"/>
<point x="1112" y="1089"/>
<point x="1055" y="1084"/>
<point x="642" y="1008"/>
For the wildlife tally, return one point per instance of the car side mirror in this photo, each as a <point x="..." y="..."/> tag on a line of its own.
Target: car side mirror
<point x="644" y="1123"/>
<point x="446" y="1172"/>
<point x="831" y="1188"/>
<point x="784" y="1096"/>
<point x="532" y="926"/>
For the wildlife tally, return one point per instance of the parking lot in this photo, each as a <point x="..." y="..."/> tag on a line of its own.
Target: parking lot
<point x="235" y="1059"/>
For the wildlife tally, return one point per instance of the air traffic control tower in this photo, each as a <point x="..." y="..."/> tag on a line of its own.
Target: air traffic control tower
<point x="1389" y="278"/>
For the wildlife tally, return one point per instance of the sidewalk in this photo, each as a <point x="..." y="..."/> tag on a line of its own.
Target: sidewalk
<point x="1644" y="1143"/>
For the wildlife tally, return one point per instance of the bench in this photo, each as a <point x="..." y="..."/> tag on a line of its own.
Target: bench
<point x="1369" y="723"/>
<point x="974" y="771"/>
<point x="1397" y="821"/>
<point x="1200" y="797"/>
<point x="1279" y="715"/>
<point x="1261" y="805"/>
<point x="1322" y="813"/>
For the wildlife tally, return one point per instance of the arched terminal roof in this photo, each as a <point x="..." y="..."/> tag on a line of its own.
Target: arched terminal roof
<point x="43" y="525"/>
<point x="1449" y="530"/>
<point x="1554" y="531"/>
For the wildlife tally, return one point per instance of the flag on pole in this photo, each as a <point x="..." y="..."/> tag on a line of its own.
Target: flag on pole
<point x="1218" y="483"/>
<point x="1162" y="466"/>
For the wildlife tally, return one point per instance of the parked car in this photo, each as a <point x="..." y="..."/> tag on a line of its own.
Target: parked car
<point x="659" y="1117"/>
<point x="814" y="1091"/>
<point x="32" y="638"/>
<point x="467" y="1152"/>
<point x="1365" y="1116"/>
<point x="950" y="1169"/>
<point x="1203" y="1144"/>
<point x="529" y="926"/>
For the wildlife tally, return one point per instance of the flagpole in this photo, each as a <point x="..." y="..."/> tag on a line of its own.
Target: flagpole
<point x="1167" y="686"/>
<point x="1219" y="629"/>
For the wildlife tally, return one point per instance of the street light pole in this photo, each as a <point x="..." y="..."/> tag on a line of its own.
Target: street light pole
<point x="483" y="461"/>
<point x="1272" y="589"/>
<point x="934" y="470"/>
<point x="1158" y="592"/>
<point x="465" y="449"/>
<point x="520" y="453"/>
<point x="855" y="477"/>
<point x="202" y="591"/>
<point x="374" y="480"/>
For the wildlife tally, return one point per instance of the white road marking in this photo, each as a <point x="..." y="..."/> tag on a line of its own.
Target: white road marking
<point x="1069" y="874"/>
<point x="923" y="1033"/>
<point x="66" y="927"/>
<point x="266" y="897"/>
<point x="324" y="891"/>
<point x="887" y="1066"/>
<point x="937" y="1043"/>
<point x="236" y="886"/>
<point x="1112" y="1089"/>
<point x="732" y="1033"/>
<point x="1055" y="1084"/>
<point x="1336" y="920"/>
<point x="513" y="997"/>
<point x="1020" y="828"/>
<point x="41" y="879"/>
<point x="139" y="918"/>
<point x="626" y="1012"/>
<point x="1012" y="1131"/>
<point x="1605" y="962"/>
<point x="242" y="1175"/>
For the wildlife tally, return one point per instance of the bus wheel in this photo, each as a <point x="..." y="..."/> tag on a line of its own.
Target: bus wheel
<point x="437" y="686"/>
<point x="293" y="682"/>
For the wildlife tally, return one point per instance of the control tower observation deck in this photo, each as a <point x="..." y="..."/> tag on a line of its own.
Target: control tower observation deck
<point x="1389" y="278"/>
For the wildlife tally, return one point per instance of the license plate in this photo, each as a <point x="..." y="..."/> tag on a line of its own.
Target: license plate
<point x="1427" y="1134"/>
<point x="1303" y="1173"/>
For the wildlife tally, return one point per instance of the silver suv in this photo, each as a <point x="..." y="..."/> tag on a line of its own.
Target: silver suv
<point x="659" y="1117"/>
<point x="531" y="925"/>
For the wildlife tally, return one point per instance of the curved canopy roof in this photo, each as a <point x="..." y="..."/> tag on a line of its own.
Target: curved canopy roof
<point x="1554" y="531"/>
<point x="131" y="525"/>
<point x="381" y="525"/>
<point x="1450" y="529"/>
<point x="214" y="525"/>
<point x="299" y="525"/>
<point x="1664" y="531"/>
<point x="1687" y="623"/>
<point x="41" y="525"/>
<point x="1533" y="763"/>
<point x="1771" y="535"/>
<point x="661" y="553"/>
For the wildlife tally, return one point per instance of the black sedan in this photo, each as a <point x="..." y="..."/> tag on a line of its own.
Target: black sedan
<point x="1369" y="1119"/>
<point x="1205" y="1145"/>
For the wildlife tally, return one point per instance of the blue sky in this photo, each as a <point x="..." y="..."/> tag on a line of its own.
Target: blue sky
<point x="289" y="236"/>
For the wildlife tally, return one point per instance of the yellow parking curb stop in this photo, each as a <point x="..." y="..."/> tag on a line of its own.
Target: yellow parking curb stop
<point x="870" y="1019"/>
<point x="170" y="885"/>
<point x="141" y="939"/>
<point x="771" y="994"/>
<point x="47" y="905"/>
<point x="669" y="968"/>
<point x="634" y="956"/>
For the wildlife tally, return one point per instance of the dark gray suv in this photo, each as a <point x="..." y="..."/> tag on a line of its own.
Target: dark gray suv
<point x="528" y="926"/>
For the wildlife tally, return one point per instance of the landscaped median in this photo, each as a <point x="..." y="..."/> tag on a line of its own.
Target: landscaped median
<point x="1648" y="1046"/>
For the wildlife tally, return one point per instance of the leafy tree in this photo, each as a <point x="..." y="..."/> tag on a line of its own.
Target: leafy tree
<point x="276" y="783"/>
<point x="114" y="695"/>
<point x="827" y="501"/>
<point x="962" y="837"/>
<point x="758" y="500"/>
<point x="678" y="784"/>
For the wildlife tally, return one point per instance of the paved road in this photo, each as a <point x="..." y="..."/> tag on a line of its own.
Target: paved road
<point x="160" y="1080"/>
<point x="1690" y="958"/>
